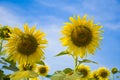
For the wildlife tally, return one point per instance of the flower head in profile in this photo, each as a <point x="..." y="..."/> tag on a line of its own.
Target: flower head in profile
<point x="94" y="75"/>
<point x="81" y="36"/>
<point x="25" y="71"/>
<point x="26" y="47"/>
<point x="43" y="70"/>
<point x="4" y="32"/>
<point x="103" y="73"/>
<point x="84" y="71"/>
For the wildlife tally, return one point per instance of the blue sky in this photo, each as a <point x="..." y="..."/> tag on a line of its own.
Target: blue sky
<point x="50" y="15"/>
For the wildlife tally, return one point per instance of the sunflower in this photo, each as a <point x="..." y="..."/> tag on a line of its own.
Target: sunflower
<point x="26" y="47"/>
<point x="81" y="36"/>
<point x="84" y="71"/>
<point x="23" y="74"/>
<point x="25" y="71"/>
<point x="43" y="70"/>
<point x="103" y="73"/>
<point x="4" y="32"/>
<point x="94" y="75"/>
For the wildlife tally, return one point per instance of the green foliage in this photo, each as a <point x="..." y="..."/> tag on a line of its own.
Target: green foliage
<point x="41" y="62"/>
<point x="58" y="76"/>
<point x="67" y="70"/>
<point x="87" y="61"/>
<point x="11" y="64"/>
<point x="62" y="53"/>
<point x="117" y="76"/>
<point x="1" y="73"/>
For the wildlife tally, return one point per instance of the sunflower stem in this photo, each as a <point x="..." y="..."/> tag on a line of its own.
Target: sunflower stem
<point x="1" y="45"/>
<point x="75" y="62"/>
<point x="27" y="78"/>
<point x="113" y="76"/>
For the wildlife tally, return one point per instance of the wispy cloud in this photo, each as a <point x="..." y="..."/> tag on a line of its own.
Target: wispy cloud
<point x="103" y="11"/>
<point x="7" y="17"/>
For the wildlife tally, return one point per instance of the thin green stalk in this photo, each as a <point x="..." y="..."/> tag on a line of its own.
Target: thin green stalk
<point x="27" y="78"/>
<point x="113" y="76"/>
<point x="1" y="45"/>
<point x="75" y="62"/>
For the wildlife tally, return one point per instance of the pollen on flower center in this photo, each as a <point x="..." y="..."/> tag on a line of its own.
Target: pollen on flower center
<point x="81" y="36"/>
<point x="27" y="44"/>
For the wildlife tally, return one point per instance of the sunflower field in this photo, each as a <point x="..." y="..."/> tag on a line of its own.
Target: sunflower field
<point x="22" y="52"/>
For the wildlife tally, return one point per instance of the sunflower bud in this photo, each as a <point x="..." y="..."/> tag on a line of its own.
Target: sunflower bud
<point x="114" y="70"/>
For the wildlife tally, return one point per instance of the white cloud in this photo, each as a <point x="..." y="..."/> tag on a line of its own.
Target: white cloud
<point x="113" y="26"/>
<point x="7" y="17"/>
<point x="103" y="11"/>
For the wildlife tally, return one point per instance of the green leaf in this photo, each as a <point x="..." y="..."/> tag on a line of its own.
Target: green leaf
<point x="1" y="74"/>
<point x="48" y="76"/>
<point x="58" y="76"/>
<point x="6" y="77"/>
<point x="67" y="70"/>
<point x="62" y="53"/>
<point x="87" y="61"/>
<point x="56" y="72"/>
<point x="117" y="76"/>
<point x="11" y="67"/>
<point x="8" y="61"/>
<point x="2" y="62"/>
<point x="3" y="52"/>
<point x="41" y="62"/>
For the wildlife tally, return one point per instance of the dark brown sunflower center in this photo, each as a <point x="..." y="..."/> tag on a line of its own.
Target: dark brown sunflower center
<point x="27" y="44"/>
<point x="81" y="36"/>
<point x="83" y="72"/>
<point x="42" y="70"/>
<point x="104" y="74"/>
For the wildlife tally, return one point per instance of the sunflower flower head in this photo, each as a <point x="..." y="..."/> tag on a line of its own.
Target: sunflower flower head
<point x="43" y="70"/>
<point x="25" y="71"/>
<point x="94" y="75"/>
<point x="4" y="32"/>
<point x="26" y="46"/>
<point x="84" y="71"/>
<point x="23" y="75"/>
<point x="81" y="36"/>
<point x="103" y="73"/>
